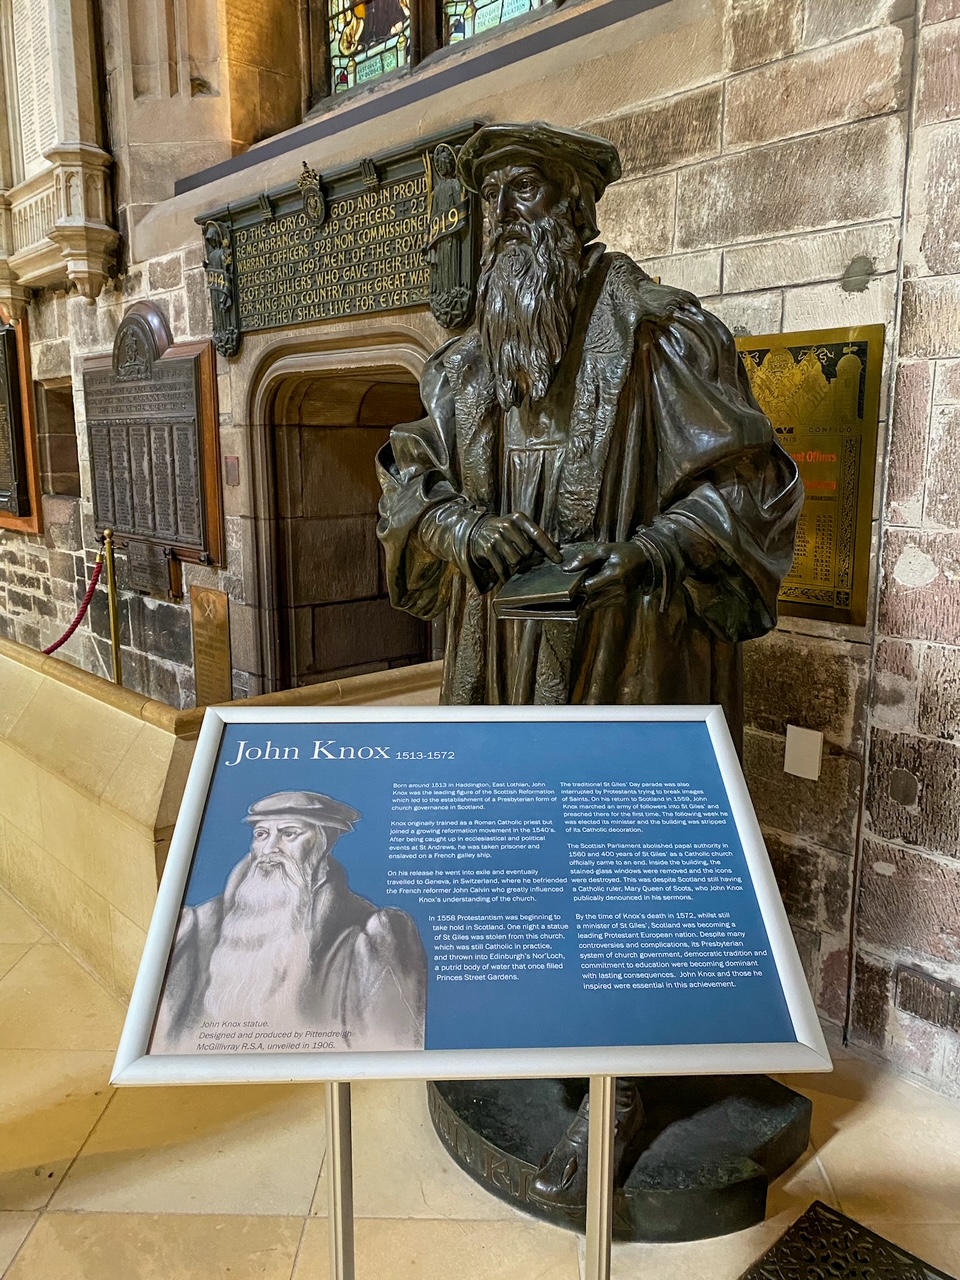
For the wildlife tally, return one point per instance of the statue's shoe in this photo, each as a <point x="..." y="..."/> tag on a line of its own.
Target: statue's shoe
<point x="561" y="1179"/>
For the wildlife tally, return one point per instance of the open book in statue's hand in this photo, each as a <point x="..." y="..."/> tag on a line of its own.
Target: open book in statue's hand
<point x="548" y="592"/>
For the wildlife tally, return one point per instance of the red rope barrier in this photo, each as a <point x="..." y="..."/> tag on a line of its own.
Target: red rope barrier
<point x="85" y="605"/>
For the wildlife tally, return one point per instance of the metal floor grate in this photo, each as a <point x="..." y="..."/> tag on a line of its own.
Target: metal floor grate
<point x="827" y="1245"/>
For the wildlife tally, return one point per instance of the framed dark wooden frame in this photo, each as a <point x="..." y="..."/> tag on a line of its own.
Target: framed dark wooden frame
<point x="32" y="523"/>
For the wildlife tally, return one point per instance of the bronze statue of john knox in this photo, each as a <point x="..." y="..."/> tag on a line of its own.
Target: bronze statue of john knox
<point x="593" y="418"/>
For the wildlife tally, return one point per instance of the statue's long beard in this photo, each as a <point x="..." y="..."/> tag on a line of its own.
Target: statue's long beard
<point x="261" y="957"/>
<point x="526" y="297"/>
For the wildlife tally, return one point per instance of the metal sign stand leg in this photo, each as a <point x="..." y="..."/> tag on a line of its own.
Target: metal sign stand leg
<point x="603" y="1116"/>
<point x="340" y="1181"/>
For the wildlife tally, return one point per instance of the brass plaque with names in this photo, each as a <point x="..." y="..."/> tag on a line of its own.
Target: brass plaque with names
<point x="821" y="391"/>
<point x="210" y="610"/>
<point x="152" y="570"/>
<point x="154" y="439"/>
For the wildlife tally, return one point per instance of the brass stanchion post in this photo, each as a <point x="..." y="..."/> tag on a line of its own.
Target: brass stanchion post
<point x="600" y="1171"/>
<point x="113" y="605"/>
<point x="340" y="1181"/>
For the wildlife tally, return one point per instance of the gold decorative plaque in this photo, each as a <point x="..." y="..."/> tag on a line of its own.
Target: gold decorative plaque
<point x="211" y="646"/>
<point x="821" y="391"/>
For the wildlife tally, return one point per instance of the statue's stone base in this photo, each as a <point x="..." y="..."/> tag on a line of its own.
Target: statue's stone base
<point x="711" y="1145"/>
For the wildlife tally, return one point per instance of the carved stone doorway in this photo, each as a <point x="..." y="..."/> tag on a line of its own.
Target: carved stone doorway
<point x="333" y="614"/>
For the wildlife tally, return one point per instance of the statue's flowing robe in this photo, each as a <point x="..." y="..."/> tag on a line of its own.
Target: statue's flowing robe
<point x="649" y="430"/>
<point x="365" y="978"/>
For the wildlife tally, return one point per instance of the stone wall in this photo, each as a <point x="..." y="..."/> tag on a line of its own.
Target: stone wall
<point x="765" y="147"/>
<point x="43" y="579"/>
<point x="906" y="1002"/>
<point x="190" y="88"/>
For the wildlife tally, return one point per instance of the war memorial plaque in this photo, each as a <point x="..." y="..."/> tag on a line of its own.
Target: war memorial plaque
<point x="153" y="436"/>
<point x="821" y="391"/>
<point x="14" y="500"/>
<point x="213" y="674"/>
<point x="385" y="234"/>
<point x="151" y="570"/>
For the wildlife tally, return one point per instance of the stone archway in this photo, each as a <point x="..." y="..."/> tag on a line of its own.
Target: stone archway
<point x="322" y="566"/>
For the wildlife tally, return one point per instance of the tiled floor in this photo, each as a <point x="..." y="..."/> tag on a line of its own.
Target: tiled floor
<point x="226" y="1184"/>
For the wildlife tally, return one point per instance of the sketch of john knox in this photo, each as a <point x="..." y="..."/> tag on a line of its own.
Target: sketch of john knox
<point x="288" y="944"/>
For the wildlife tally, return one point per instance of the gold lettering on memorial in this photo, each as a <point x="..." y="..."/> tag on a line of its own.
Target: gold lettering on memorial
<point x="366" y="257"/>
<point x="821" y="391"/>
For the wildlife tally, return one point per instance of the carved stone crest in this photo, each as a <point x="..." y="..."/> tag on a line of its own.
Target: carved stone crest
<point x="142" y="338"/>
<point x="314" y="204"/>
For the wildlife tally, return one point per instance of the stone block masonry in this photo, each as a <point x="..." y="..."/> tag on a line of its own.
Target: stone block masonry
<point x="907" y="935"/>
<point x="156" y="641"/>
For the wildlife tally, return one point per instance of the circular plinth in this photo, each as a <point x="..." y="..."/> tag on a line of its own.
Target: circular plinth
<point x="711" y="1145"/>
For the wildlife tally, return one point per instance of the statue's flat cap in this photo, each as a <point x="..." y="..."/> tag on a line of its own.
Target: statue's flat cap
<point x="493" y="145"/>
<point x="311" y="805"/>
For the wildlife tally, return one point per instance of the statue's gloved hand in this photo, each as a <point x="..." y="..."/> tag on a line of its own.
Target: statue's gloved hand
<point x="620" y="568"/>
<point x="504" y="544"/>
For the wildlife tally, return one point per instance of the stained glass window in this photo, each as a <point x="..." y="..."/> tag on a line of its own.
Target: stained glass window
<point x="465" y="18"/>
<point x="368" y="39"/>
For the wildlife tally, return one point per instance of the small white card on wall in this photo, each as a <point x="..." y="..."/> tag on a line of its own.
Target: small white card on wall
<point x="803" y="755"/>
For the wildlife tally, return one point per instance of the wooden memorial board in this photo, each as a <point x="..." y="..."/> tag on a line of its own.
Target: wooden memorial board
<point x="387" y="233"/>
<point x="821" y="391"/>
<point x="213" y="673"/>
<point x="509" y="892"/>
<point x="20" y="485"/>
<point x="14" y="494"/>
<point x="153" y="430"/>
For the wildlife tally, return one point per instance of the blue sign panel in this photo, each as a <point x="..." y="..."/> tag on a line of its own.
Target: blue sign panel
<point x="468" y="885"/>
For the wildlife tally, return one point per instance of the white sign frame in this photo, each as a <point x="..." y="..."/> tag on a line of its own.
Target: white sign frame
<point x="135" y="1066"/>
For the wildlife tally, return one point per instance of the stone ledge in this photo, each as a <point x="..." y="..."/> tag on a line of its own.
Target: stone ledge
<point x="94" y="774"/>
<point x="399" y="686"/>
<point x="83" y="681"/>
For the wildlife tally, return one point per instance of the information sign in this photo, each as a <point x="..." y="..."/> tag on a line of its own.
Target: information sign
<point x="465" y="892"/>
